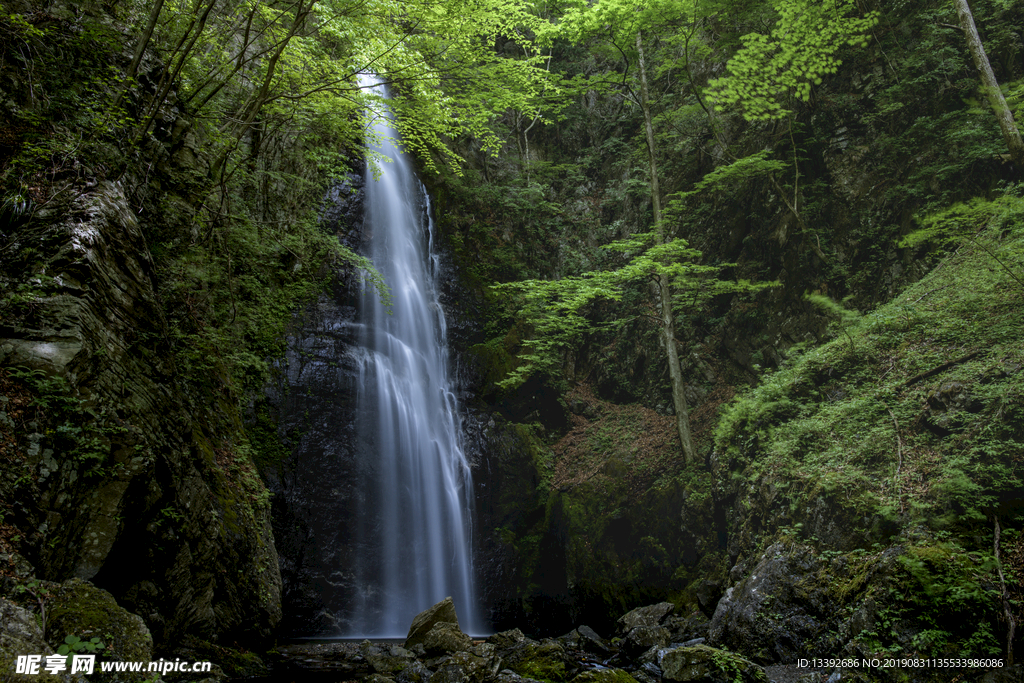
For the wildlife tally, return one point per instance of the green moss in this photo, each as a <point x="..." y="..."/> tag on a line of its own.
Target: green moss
<point x="604" y="676"/>
<point x="909" y="418"/>
<point x="80" y="609"/>
<point x="542" y="663"/>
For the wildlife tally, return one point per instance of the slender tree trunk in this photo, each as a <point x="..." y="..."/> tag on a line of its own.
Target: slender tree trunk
<point x="990" y="84"/>
<point x="1011" y="624"/>
<point x="664" y="288"/>
<point x="147" y="34"/>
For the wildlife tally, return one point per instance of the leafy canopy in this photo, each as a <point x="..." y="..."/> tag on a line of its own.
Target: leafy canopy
<point x="557" y="309"/>
<point x="798" y="52"/>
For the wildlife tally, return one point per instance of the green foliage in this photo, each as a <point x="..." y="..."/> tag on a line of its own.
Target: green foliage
<point x="798" y="53"/>
<point x="844" y="317"/>
<point x="876" y="416"/>
<point x="556" y="310"/>
<point x="736" y="172"/>
<point x="74" y="644"/>
<point x="990" y="224"/>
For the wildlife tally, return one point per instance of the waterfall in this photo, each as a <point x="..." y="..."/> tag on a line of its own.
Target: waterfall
<point x="417" y="501"/>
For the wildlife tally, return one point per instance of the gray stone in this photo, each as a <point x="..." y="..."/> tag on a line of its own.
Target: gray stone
<point x="449" y="673"/>
<point x="20" y="635"/>
<point x="477" y="669"/>
<point x="416" y="672"/>
<point x="506" y="639"/>
<point x="590" y="641"/>
<point x="642" y="638"/>
<point x="651" y="615"/>
<point x="769" y="616"/>
<point x="423" y="622"/>
<point x="446" y="637"/>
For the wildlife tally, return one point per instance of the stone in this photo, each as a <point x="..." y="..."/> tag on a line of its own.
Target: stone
<point x="78" y="608"/>
<point x="386" y="660"/>
<point x="778" y="613"/>
<point x="642" y="638"/>
<point x="545" y="660"/>
<point x="20" y="635"/>
<point x="102" y="329"/>
<point x="477" y="669"/>
<point x="446" y="637"/>
<point x="423" y="622"/>
<point x="703" y="663"/>
<point x="415" y="672"/>
<point x="651" y="615"/>
<point x="590" y="641"/>
<point x="449" y="673"/>
<point x="506" y="639"/>
<point x="604" y="676"/>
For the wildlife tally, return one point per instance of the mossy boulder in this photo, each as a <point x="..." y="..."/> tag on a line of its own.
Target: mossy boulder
<point x="227" y="662"/>
<point x="423" y="622"/>
<point x="20" y="635"/>
<point x="446" y="637"/>
<point x="650" y="615"/>
<point x="604" y="676"/>
<point x="80" y="609"/>
<point x="545" y="661"/>
<point x="703" y="663"/>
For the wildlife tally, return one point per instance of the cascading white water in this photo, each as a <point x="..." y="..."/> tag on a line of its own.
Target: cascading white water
<point x="417" y="519"/>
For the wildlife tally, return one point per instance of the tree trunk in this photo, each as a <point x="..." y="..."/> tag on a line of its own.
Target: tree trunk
<point x="664" y="288"/>
<point x="990" y="84"/>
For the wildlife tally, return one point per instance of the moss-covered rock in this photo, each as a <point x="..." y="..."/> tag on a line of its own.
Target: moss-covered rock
<point x="446" y="637"/>
<point x="703" y="663"/>
<point x="545" y="661"/>
<point x="422" y="623"/>
<point x="78" y="608"/>
<point x="604" y="676"/>
<point x="20" y="635"/>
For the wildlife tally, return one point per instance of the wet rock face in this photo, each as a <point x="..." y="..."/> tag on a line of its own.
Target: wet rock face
<point x="157" y="525"/>
<point x="312" y="402"/>
<point x="315" y="492"/>
<point x="769" y="616"/>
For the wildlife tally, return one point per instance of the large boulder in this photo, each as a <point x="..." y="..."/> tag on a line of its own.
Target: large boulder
<point x="506" y="639"/>
<point x="650" y="615"/>
<point x="445" y="638"/>
<point x="386" y="659"/>
<point x="780" y="611"/>
<point x="78" y="608"/>
<point x="19" y="636"/>
<point x="545" y="661"/>
<point x="423" y="622"/>
<point x="604" y="676"/>
<point x="709" y="665"/>
<point x="643" y="638"/>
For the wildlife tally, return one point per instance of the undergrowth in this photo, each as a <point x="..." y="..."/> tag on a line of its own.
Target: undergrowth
<point x="912" y="416"/>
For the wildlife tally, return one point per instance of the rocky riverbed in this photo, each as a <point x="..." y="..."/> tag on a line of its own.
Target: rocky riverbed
<point x="651" y="645"/>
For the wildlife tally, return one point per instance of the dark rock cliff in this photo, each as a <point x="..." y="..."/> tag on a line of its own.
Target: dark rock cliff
<point x="117" y="481"/>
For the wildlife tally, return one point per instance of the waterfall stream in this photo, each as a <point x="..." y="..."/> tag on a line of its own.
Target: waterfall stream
<point x="416" y="517"/>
